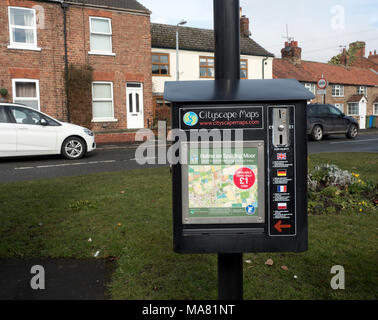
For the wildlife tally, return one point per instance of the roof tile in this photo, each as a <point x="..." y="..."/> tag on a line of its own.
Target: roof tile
<point x="164" y="36"/>
<point x="355" y="98"/>
<point x="121" y="4"/>
<point x="308" y="71"/>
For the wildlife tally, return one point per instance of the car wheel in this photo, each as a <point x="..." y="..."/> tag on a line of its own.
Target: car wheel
<point x="352" y="132"/>
<point x="74" y="148"/>
<point x="317" y="133"/>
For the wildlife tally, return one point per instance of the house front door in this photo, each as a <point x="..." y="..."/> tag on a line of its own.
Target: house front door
<point x="134" y="105"/>
<point x="363" y="113"/>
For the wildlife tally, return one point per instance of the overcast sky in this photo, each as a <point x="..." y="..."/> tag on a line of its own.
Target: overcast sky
<point x="320" y="26"/>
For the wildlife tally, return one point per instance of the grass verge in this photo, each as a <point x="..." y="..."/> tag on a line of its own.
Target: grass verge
<point x="127" y="216"/>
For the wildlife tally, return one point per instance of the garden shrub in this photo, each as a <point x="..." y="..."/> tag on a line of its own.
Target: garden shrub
<point x="332" y="190"/>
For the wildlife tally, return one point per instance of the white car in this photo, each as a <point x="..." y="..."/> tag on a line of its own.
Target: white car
<point x="25" y="132"/>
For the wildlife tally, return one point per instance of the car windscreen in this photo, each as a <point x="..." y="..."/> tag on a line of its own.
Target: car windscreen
<point x="51" y="122"/>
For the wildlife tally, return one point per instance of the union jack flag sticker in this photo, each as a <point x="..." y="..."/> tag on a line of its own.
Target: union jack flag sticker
<point x="281" y="156"/>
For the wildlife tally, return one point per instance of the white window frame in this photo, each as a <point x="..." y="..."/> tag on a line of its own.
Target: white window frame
<point x="310" y="87"/>
<point x="375" y="109"/>
<point x="340" y="89"/>
<point x="20" y="45"/>
<point x="340" y="106"/>
<point x="363" y="91"/>
<point x="110" y="34"/>
<point x="14" y="81"/>
<point x="108" y="119"/>
<point x="353" y="114"/>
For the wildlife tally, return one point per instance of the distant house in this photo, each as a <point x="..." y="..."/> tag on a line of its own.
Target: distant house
<point x="353" y="90"/>
<point x="111" y="36"/>
<point x="359" y="60"/>
<point x="196" y="58"/>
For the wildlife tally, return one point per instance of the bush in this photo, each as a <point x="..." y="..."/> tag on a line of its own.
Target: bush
<point x="332" y="190"/>
<point x="3" y="92"/>
<point x="329" y="175"/>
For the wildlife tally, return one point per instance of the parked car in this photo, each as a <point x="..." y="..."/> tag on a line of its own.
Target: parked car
<point x="325" y="119"/>
<point x="25" y="131"/>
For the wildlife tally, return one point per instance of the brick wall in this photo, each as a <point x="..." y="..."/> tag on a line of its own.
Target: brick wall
<point x="131" y="41"/>
<point x="46" y="65"/>
<point x="372" y="93"/>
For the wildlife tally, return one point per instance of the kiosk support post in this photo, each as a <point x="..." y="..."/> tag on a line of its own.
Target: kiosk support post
<point x="227" y="67"/>
<point x="230" y="276"/>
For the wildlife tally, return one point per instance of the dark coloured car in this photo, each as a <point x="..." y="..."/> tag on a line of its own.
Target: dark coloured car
<point x="325" y="119"/>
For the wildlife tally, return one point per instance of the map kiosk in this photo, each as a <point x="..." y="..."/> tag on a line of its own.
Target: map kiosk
<point x="245" y="191"/>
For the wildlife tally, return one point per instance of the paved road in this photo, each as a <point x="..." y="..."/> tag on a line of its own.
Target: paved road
<point x="120" y="157"/>
<point x="338" y="143"/>
<point x="106" y="158"/>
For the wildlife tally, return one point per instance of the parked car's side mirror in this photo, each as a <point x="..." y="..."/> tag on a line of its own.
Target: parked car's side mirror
<point x="43" y="122"/>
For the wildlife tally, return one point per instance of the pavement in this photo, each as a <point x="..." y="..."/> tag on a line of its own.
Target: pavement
<point x="63" y="279"/>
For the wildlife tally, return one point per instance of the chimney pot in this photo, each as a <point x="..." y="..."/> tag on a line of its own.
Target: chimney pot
<point x="292" y="52"/>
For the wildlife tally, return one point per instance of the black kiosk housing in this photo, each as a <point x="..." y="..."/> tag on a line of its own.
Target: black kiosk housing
<point x="272" y="114"/>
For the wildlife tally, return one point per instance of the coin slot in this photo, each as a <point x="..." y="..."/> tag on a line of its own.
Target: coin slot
<point x="281" y="127"/>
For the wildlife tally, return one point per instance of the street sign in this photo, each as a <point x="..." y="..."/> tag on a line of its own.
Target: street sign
<point x="321" y="92"/>
<point x="322" y="84"/>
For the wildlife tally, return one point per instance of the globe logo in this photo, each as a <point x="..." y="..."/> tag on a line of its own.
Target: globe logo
<point x="251" y="210"/>
<point x="190" y="119"/>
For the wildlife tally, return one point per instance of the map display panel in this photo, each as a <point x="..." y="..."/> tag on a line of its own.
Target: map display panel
<point x="224" y="185"/>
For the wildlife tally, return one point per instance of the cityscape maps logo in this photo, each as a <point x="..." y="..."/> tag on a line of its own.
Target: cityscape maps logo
<point x="191" y="119"/>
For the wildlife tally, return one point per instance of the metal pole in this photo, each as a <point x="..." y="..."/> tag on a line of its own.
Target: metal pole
<point x="227" y="67"/>
<point x="181" y="23"/>
<point x="230" y="276"/>
<point x="227" y="39"/>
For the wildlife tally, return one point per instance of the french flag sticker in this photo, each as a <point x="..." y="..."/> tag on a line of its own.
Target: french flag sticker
<point x="282" y="206"/>
<point x="282" y="189"/>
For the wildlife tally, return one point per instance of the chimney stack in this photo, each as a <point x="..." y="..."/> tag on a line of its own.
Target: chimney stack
<point x="373" y="56"/>
<point x="292" y="52"/>
<point x="344" y="59"/>
<point x="244" y="25"/>
<point x="360" y="51"/>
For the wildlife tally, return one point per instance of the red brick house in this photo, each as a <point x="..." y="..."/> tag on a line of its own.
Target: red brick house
<point x="353" y="90"/>
<point x="40" y="40"/>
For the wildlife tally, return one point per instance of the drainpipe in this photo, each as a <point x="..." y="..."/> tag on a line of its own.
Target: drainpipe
<point x="263" y="66"/>
<point x="64" y="8"/>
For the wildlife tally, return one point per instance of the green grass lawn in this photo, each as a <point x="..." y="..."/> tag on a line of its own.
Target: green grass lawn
<point x="127" y="215"/>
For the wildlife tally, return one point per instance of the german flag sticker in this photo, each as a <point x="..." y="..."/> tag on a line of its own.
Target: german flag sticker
<point x="282" y="173"/>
